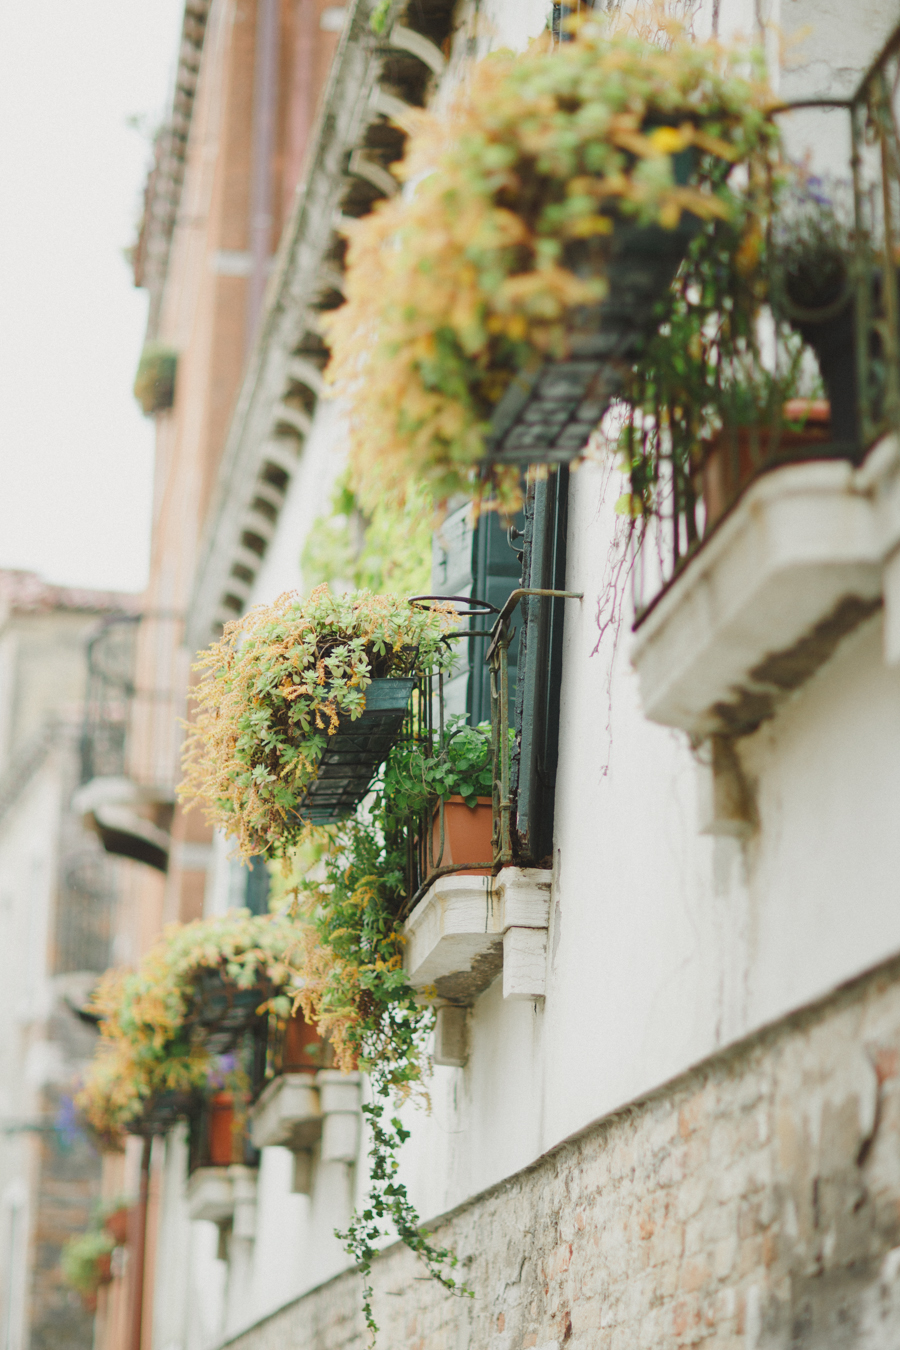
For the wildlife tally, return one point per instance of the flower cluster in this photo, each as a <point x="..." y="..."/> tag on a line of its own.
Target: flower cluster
<point x="467" y="275"/>
<point x="149" y="1042"/>
<point x="278" y="683"/>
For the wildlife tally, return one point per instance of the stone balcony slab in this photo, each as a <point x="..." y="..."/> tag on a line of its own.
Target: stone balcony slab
<point x="287" y="1113"/>
<point x="800" y="561"/>
<point x="465" y="930"/>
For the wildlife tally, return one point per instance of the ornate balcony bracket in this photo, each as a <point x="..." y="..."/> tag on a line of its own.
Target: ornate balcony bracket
<point x="806" y="555"/>
<point x="465" y="930"/>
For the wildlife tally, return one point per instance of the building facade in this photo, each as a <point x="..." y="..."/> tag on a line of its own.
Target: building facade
<point x="665" y="1095"/>
<point x="58" y="893"/>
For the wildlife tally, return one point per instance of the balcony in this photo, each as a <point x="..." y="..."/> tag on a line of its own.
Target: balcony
<point x="768" y="543"/>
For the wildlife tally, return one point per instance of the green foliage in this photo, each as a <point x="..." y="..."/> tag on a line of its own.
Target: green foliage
<point x="388" y="549"/>
<point x="379" y="17"/>
<point x="277" y="685"/>
<point x="705" y="367"/>
<point x="455" y="286"/>
<point x="154" y="383"/>
<point x="419" y="773"/>
<point x="82" y="1260"/>
<point x="354" y="986"/>
<point x="149" y="1041"/>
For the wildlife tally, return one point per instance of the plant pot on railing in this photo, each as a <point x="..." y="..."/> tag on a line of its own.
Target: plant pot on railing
<point x="467" y="835"/>
<point x="219" y="1135"/>
<point x="737" y="454"/>
<point x="116" y="1224"/>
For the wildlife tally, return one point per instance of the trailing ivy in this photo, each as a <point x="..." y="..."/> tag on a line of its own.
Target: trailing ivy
<point x="354" y="987"/>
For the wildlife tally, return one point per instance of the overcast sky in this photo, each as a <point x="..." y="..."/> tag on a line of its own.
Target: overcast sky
<point x="75" y="451"/>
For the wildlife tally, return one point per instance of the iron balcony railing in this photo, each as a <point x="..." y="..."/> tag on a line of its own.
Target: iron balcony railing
<point x="850" y="151"/>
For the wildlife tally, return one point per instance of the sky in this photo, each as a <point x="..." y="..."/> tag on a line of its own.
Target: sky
<point x="75" y="450"/>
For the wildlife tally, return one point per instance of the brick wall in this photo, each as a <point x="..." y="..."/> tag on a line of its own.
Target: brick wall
<point x="755" y="1202"/>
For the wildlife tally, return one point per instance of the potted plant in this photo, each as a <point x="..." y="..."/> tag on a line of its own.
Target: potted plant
<point x="301" y="704"/>
<point x="154" y="383"/>
<point x="86" y="1264"/>
<point x="813" y="289"/>
<point x="548" y="210"/>
<point x="115" y="1221"/>
<point x="445" y="785"/>
<point x="157" y="1049"/>
<point x="722" y="391"/>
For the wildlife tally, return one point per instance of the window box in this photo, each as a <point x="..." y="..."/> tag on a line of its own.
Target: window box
<point x="356" y="750"/>
<point x="465" y="930"/>
<point x="220" y="1194"/>
<point x="210" y="1195"/>
<point x="550" y="410"/>
<point x="341" y="1117"/>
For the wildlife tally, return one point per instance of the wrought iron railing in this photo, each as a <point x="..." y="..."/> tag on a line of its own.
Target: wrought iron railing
<point x="849" y="152"/>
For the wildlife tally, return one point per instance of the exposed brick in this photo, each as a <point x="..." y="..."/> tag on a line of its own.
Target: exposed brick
<point x="735" y="1201"/>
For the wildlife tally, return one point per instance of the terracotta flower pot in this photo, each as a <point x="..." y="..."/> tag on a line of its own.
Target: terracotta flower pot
<point x="302" y="1047"/>
<point x="467" y="835"/>
<point x="104" y="1268"/>
<point x="733" y="458"/>
<point x="221" y="1130"/>
<point x="116" y="1224"/>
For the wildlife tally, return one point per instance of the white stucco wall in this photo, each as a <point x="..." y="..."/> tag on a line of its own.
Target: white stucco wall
<point x="664" y="944"/>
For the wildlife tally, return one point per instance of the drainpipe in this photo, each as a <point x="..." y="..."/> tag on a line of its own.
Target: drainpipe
<point x="265" y="103"/>
<point x="139" y="1247"/>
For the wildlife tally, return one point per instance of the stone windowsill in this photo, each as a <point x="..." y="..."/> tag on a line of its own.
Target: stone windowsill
<point x="808" y="553"/>
<point x="287" y="1113"/>
<point x="465" y="930"/>
<point x="218" y="1194"/>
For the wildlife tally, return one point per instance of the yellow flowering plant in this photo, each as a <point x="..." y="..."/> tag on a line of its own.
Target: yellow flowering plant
<point x="277" y="685"/>
<point x="152" y="1040"/>
<point x="470" y="274"/>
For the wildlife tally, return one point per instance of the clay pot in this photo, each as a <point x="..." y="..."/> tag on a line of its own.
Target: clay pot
<point x="221" y="1130"/>
<point x="467" y="835"/>
<point x="116" y="1224"/>
<point x="104" y="1268"/>
<point x="736" y="455"/>
<point x="302" y="1046"/>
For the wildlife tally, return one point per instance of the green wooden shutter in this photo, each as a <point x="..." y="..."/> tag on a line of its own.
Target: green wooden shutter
<point x="533" y="771"/>
<point x="485" y="563"/>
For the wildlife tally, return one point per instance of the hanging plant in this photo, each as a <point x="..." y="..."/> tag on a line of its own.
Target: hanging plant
<point x="152" y="1033"/>
<point x="505" y="231"/>
<point x="154" y="383"/>
<point x="279" y="684"/>
<point x="86" y="1263"/>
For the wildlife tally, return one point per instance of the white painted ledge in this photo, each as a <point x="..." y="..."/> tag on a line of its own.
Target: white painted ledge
<point x="287" y="1113"/>
<point x="464" y="930"/>
<point x="218" y="1194"/>
<point x="340" y="1103"/>
<point x="797" y="564"/>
